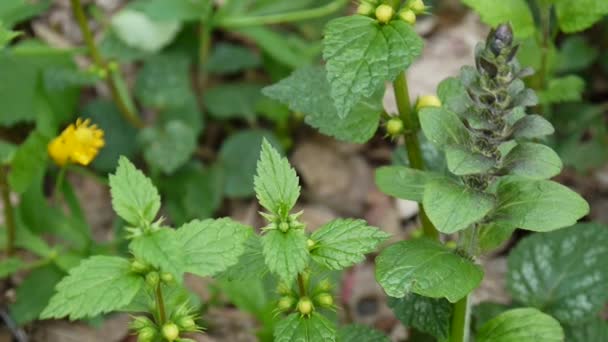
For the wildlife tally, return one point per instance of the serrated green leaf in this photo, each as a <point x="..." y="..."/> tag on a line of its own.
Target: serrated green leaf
<point x="29" y="162"/>
<point x="453" y="207"/>
<point x="430" y="315"/>
<point x="305" y="329"/>
<point x="239" y="156"/>
<point x="359" y="332"/>
<point x="532" y="160"/>
<point x="276" y="183"/>
<point x="212" y="246"/>
<point x="443" y="127"/>
<point x="358" y="127"/>
<point x="286" y="253"/>
<point x="175" y="295"/>
<point x="538" y="205"/>
<point x="344" y="242"/>
<point x="516" y="12"/>
<point x="134" y="197"/>
<point x="362" y="54"/>
<point x="169" y="146"/>
<point x="160" y="249"/>
<point x="563" y="273"/>
<point x="562" y="89"/>
<point x="521" y="325"/>
<point x="139" y="31"/>
<point x="532" y="126"/>
<point x="235" y="100"/>
<point x="251" y="263"/>
<point x="463" y="162"/>
<point x="9" y="266"/>
<point x="31" y="297"/>
<point x="404" y="182"/>
<point x="574" y="16"/>
<point x="98" y="285"/>
<point x="594" y="330"/>
<point x="227" y="58"/>
<point x="426" y="268"/>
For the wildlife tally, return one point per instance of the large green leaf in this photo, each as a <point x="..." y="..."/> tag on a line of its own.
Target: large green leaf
<point x="358" y="127"/>
<point x="563" y="273"/>
<point x="212" y="246"/>
<point x="443" y="127"/>
<point x="286" y="253"/>
<point x="594" y="330"/>
<point x="404" y="182"/>
<point x="31" y="297"/>
<point x="227" y="58"/>
<point x="98" y="285"/>
<point x="139" y="31"/>
<point x="233" y="100"/>
<point x="521" y="325"/>
<point x="251" y="263"/>
<point x="562" y="89"/>
<point x="15" y="11"/>
<point x="516" y="12"/>
<point x="160" y="249"/>
<point x="164" y="81"/>
<point x="134" y="197"/>
<point x="430" y="315"/>
<point x="461" y="161"/>
<point x="538" y="205"/>
<point x="29" y="162"/>
<point x="359" y="332"/>
<point x="362" y="54"/>
<point x="344" y="242"/>
<point x="532" y="160"/>
<point x="311" y="328"/>
<point x="426" y="268"/>
<point x="168" y="146"/>
<point x="453" y="207"/>
<point x="574" y="16"/>
<point x="532" y="126"/>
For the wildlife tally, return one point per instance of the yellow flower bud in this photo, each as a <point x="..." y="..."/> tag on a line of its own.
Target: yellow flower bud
<point x="170" y="331"/>
<point x="167" y="277"/>
<point x="139" y="267"/>
<point x="152" y="279"/>
<point x="394" y="127"/>
<point x="285" y="303"/>
<point x="146" y="334"/>
<point x="325" y="299"/>
<point x="187" y="324"/>
<point x="428" y="101"/>
<point x="384" y="13"/>
<point x="305" y="306"/>
<point x="310" y="243"/>
<point x="408" y="16"/>
<point x="324" y="285"/>
<point x="365" y="9"/>
<point x="417" y="6"/>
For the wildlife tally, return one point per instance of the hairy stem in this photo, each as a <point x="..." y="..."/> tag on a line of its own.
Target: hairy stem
<point x="412" y="144"/>
<point x="237" y="22"/>
<point x="114" y="80"/>
<point x="160" y="304"/>
<point x="9" y="219"/>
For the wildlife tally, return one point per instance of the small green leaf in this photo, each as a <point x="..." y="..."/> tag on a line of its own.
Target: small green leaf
<point x="227" y="58"/>
<point x="98" y="285"/>
<point x="9" y="266"/>
<point x="212" y="246"/>
<point x="358" y="127"/>
<point x="286" y="254"/>
<point x="453" y="207"/>
<point x="169" y="146"/>
<point x="493" y="234"/>
<point x="359" y="332"/>
<point x="139" y="31"/>
<point x="344" y="242"/>
<point x="532" y="160"/>
<point x="164" y="81"/>
<point x="562" y="89"/>
<point x="521" y="325"/>
<point x="239" y="156"/>
<point x="564" y="273"/>
<point x="594" y="330"/>
<point x="426" y="268"/>
<point x="134" y="197"/>
<point x="463" y="162"/>
<point x="404" y="182"/>
<point x="453" y="95"/>
<point x="305" y="329"/>
<point x="579" y="15"/>
<point x="160" y="249"/>
<point x="538" y="205"/>
<point x="516" y="12"/>
<point x="443" y="127"/>
<point x="31" y="297"/>
<point x="362" y="54"/>
<point x="429" y="315"/>
<point x="236" y="100"/>
<point x="276" y="183"/>
<point x="532" y="126"/>
<point x="29" y="162"/>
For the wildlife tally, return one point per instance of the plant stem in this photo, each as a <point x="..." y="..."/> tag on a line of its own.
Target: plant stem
<point x="8" y="212"/>
<point x="112" y="80"/>
<point x="237" y="22"/>
<point x="59" y="182"/>
<point x="160" y="304"/>
<point x="460" y="321"/>
<point x="203" y="55"/>
<point x="412" y="144"/>
<point x="301" y="285"/>
<point x="545" y="15"/>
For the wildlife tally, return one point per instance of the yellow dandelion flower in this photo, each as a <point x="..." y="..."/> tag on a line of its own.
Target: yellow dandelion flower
<point x="79" y="144"/>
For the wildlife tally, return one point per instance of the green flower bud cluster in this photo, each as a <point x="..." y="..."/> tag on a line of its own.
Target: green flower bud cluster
<point x="153" y="276"/>
<point x="384" y="13"/>
<point x="283" y="224"/>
